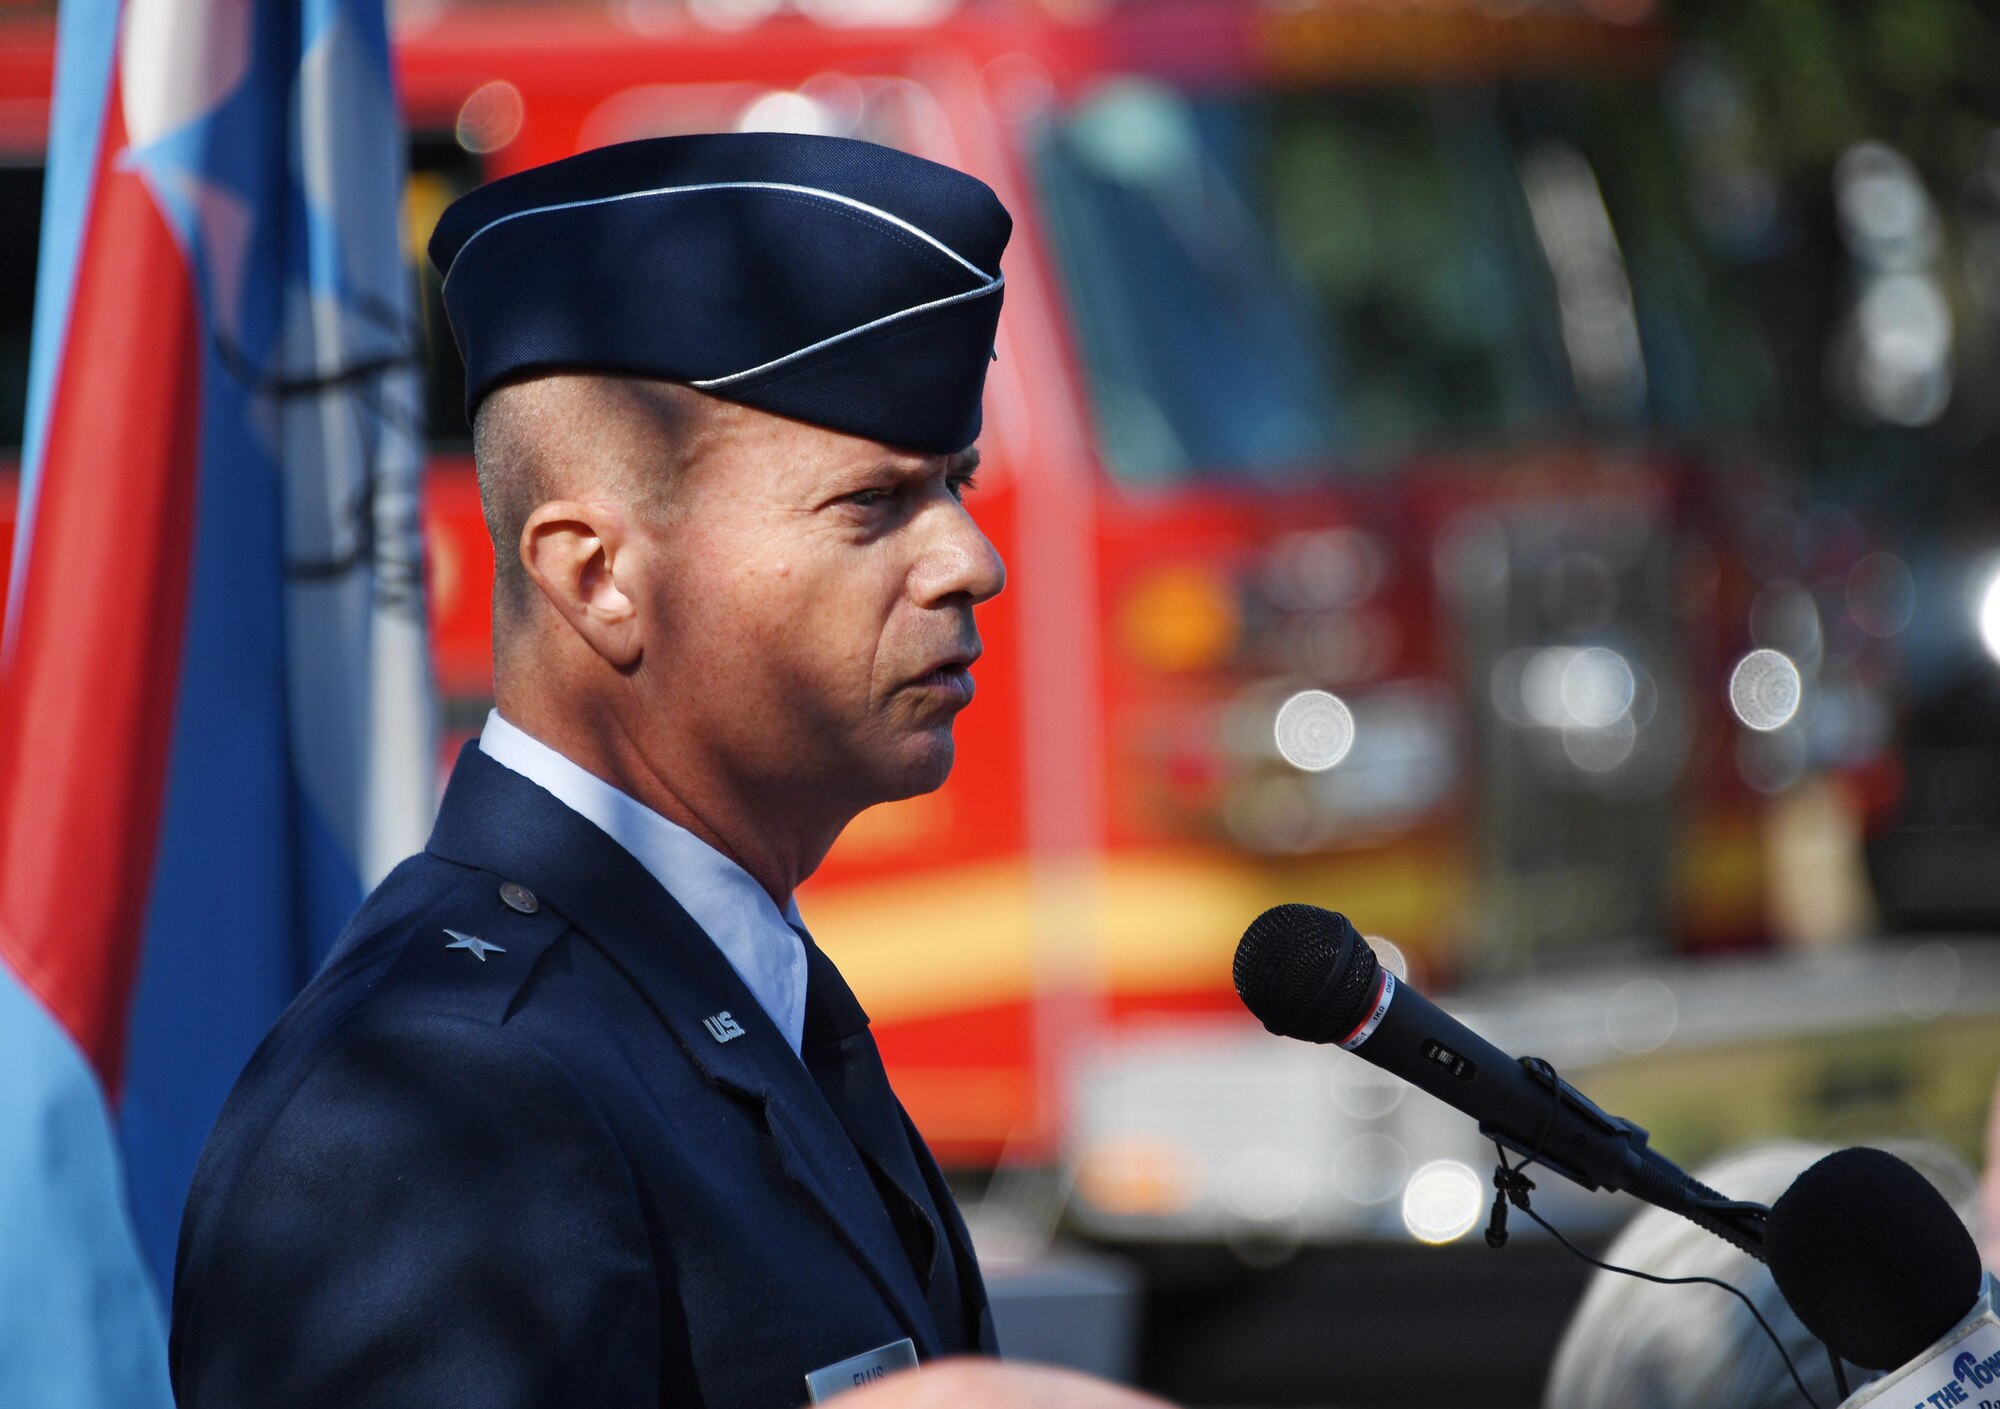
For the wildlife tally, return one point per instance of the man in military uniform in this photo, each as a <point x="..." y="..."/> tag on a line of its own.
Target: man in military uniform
<point x="577" y="1113"/>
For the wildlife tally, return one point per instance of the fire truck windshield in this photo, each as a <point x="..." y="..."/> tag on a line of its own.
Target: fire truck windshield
<point x="1275" y="286"/>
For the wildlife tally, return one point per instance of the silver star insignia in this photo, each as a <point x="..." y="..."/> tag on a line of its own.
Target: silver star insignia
<point x="479" y="947"/>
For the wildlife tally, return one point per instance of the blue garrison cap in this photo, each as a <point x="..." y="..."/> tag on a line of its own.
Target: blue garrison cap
<point x="833" y="281"/>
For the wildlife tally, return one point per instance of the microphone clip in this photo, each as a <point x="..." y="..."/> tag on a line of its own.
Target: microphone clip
<point x="1509" y="1186"/>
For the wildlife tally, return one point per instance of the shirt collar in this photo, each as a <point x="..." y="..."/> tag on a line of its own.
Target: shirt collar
<point x="760" y="942"/>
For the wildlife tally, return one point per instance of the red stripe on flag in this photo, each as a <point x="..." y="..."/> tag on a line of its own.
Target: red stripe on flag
<point x="87" y="703"/>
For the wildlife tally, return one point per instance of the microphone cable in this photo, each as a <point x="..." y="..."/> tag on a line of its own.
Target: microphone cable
<point x="1511" y="1185"/>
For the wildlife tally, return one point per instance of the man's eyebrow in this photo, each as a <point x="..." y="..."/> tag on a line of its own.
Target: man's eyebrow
<point x="962" y="463"/>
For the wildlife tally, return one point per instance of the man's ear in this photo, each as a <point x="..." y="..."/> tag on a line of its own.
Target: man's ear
<point x="571" y="552"/>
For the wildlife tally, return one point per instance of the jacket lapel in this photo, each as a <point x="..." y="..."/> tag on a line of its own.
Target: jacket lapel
<point x="971" y="1284"/>
<point x="497" y="820"/>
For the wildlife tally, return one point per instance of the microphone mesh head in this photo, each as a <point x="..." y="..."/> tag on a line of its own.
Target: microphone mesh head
<point x="1871" y="1257"/>
<point x="1305" y="973"/>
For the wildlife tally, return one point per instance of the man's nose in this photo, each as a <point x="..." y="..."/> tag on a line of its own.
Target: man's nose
<point x="960" y="560"/>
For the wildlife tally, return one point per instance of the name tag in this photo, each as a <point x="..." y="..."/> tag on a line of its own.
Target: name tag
<point x="859" y="1370"/>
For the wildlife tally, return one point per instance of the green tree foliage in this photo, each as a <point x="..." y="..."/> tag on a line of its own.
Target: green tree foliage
<point x="1923" y="75"/>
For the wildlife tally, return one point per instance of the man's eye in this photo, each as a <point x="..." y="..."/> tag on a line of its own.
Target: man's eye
<point x="871" y="498"/>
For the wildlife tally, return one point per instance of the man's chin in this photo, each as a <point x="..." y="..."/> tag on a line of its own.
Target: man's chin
<point x="924" y="768"/>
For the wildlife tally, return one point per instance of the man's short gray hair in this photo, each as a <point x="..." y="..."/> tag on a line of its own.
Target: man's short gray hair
<point x="550" y="436"/>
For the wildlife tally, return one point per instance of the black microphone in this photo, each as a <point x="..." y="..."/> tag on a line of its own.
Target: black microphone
<point x="1305" y="973"/>
<point x="1871" y="1258"/>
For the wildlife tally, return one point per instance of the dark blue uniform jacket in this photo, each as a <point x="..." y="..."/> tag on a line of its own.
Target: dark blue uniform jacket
<point x="538" y="1178"/>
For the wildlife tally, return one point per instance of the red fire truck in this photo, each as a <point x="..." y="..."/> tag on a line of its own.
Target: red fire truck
<point x="1359" y="361"/>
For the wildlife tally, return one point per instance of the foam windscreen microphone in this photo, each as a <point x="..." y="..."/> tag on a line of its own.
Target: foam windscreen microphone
<point x="1305" y="973"/>
<point x="1871" y="1258"/>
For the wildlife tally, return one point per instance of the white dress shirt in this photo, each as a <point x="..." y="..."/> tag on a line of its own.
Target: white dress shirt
<point x="759" y="942"/>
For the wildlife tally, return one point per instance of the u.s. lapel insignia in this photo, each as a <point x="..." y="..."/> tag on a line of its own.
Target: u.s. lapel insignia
<point x="479" y="948"/>
<point x="722" y="1027"/>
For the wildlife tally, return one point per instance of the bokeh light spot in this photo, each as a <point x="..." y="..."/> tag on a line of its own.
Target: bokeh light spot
<point x="491" y="117"/>
<point x="1442" y="1202"/>
<point x="1263" y="1185"/>
<point x="1989" y="615"/>
<point x="1765" y="690"/>
<point x="1314" y="730"/>
<point x="1369" y="1168"/>
<point x="1927" y="980"/>
<point x="1642" y="1016"/>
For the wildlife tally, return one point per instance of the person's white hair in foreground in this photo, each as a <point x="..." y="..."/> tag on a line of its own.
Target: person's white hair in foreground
<point x="989" y="1384"/>
<point x="1639" y="1345"/>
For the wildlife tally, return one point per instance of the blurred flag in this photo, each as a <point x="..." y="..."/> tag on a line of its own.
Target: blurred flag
<point x="215" y="717"/>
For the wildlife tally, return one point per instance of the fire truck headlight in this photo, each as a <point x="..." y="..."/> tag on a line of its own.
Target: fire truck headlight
<point x="1986" y="613"/>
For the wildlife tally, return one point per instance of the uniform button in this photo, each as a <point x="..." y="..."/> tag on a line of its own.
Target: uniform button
<point x="519" y="897"/>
